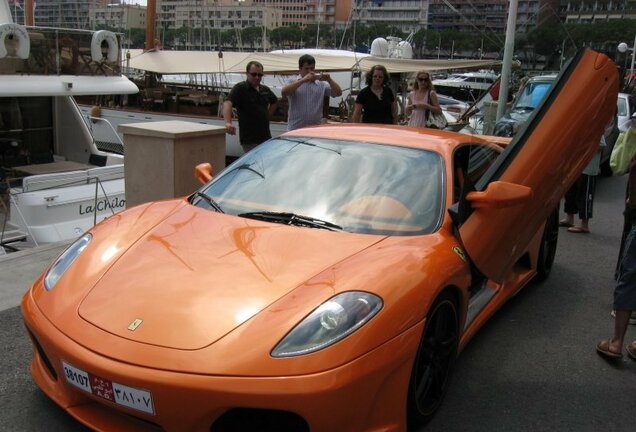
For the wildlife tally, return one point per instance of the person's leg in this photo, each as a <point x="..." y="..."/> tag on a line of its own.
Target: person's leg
<point x="585" y="200"/>
<point x="248" y="147"/>
<point x="624" y="298"/>
<point x="569" y="207"/>
<point x="629" y="217"/>
<point x="620" y="328"/>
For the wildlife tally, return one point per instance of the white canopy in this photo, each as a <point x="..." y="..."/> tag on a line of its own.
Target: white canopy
<point x="206" y="62"/>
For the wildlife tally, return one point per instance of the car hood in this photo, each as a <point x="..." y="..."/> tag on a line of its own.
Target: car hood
<point x="198" y="275"/>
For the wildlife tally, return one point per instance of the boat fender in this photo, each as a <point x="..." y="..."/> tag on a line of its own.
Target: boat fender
<point x="11" y="32"/>
<point x="96" y="46"/>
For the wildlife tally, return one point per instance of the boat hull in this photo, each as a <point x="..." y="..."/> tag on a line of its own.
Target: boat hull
<point x="63" y="213"/>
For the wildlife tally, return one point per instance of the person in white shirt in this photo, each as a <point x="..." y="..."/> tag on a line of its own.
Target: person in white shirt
<point x="306" y="94"/>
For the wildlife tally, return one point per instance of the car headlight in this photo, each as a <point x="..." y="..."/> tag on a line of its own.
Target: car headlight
<point x="65" y="260"/>
<point x="332" y="321"/>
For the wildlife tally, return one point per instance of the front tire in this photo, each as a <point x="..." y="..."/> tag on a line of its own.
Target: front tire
<point x="434" y="361"/>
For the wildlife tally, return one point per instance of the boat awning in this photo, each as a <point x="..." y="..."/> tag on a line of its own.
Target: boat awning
<point x="209" y="62"/>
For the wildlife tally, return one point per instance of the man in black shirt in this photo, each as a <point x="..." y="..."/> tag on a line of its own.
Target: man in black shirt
<point x="254" y="103"/>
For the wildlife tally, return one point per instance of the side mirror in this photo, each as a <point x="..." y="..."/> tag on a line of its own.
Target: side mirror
<point x="500" y="195"/>
<point x="203" y="172"/>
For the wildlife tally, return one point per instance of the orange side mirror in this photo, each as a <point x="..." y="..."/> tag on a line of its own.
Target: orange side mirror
<point x="203" y="172"/>
<point x="500" y="194"/>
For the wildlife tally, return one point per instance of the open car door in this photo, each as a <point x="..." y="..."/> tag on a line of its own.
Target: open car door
<point x="513" y="199"/>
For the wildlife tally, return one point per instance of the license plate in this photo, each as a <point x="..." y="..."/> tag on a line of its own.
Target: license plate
<point x="119" y="394"/>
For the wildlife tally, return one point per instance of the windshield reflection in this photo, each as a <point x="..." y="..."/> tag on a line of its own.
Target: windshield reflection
<point x="362" y="187"/>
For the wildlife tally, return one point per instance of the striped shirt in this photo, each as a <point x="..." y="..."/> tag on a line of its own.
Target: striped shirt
<point x="305" y="104"/>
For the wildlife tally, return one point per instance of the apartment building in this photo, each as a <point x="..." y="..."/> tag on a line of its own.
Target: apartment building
<point x="58" y="13"/>
<point x="118" y="16"/>
<point x="293" y="12"/>
<point x="219" y="14"/>
<point x="407" y="15"/>
<point x="489" y="15"/>
<point x="586" y="11"/>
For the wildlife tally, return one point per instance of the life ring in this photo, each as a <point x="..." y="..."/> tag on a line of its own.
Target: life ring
<point x="96" y="46"/>
<point x="19" y="33"/>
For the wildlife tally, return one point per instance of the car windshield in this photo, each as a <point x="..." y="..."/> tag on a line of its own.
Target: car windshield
<point x="358" y="187"/>
<point x="531" y="95"/>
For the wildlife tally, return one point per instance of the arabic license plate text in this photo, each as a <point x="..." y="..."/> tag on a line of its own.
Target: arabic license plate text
<point x="120" y="394"/>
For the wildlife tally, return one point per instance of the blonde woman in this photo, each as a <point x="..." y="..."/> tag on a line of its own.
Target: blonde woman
<point x="422" y="100"/>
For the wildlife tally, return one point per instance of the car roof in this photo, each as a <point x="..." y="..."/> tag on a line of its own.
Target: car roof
<point x="550" y="77"/>
<point x="439" y="141"/>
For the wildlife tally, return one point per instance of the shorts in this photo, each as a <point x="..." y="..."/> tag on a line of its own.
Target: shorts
<point x="625" y="291"/>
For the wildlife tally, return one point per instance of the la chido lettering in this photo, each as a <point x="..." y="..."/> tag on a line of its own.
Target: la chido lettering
<point x="102" y="205"/>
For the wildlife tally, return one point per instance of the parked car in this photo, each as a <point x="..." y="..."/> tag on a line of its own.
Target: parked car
<point x="529" y="97"/>
<point x="525" y="102"/>
<point x="625" y="110"/>
<point x="453" y="106"/>
<point x="324" y="281"/>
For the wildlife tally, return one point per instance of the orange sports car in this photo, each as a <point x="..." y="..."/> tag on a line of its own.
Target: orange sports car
<point x="325" y="281"/>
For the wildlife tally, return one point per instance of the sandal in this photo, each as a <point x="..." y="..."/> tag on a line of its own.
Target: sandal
<point x="565" y="223"/>
<point x="603" y="349"/>
<point x="578" y="230"/>
<point x="631" y="350"/>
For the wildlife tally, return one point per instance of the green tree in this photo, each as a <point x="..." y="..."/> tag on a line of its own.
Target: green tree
<point x="227" y="38"/>
<point x="252" y="36"/>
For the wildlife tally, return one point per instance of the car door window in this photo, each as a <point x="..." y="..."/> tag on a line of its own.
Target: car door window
<point x="470" y="162"/>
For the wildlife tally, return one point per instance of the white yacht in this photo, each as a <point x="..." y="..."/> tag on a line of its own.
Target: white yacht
<point x="467" y="86"/>
<point x="57" y="180"/>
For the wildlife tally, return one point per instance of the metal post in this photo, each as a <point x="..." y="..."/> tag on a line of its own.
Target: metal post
<point x="509" y="48"/>
<point x="631" y="74"/>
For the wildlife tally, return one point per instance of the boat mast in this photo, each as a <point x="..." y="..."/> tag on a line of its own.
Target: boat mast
<point x="29" y="19"/>
<point x="151" y="12"/>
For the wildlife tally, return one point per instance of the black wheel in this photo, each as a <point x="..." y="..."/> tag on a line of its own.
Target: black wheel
<point x="548" y="247"/>
<point x="434" y="361"/>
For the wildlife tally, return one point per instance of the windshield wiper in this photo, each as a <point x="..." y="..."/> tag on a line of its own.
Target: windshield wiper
<point x="208" y="199"/>
<point x="523" y="108"/>
<point x="247" y="167"/>
<point x="307" y="143"/>
<point x="292" y="219"/>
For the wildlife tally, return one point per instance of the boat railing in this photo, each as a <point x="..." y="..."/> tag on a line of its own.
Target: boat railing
<point x="104" y="134"/>
<point x="69" y="178"/>
<point x="55" y="51"/>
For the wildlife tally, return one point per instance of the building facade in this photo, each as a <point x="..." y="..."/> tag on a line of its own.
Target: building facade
<point x="293" y="12"/>
<point x="218" y="15"/>
<point x="118" y="16"/>
<point x="58" y="13"/>
<point x="489" y="15"/>
<point x="407" y="15"/>
<point x="585" y="11"/>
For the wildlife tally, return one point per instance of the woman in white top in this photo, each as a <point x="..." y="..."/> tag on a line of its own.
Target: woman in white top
<point x="421" y="100"/>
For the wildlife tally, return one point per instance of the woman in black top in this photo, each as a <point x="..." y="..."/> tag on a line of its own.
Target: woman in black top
<point x="376" y="103"/>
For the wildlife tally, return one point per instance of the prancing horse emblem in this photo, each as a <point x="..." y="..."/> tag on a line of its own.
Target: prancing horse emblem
<point x="460" y="253"/>
<point x="136" y="323"/>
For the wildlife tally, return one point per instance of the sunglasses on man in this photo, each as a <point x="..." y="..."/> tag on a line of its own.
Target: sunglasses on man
<point x="256" y="74"/>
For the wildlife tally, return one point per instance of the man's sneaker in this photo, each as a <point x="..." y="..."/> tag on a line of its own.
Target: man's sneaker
<point x="632" y="318"/>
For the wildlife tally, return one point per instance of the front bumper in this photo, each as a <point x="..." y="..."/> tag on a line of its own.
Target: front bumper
<point x="366" y="394"/>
